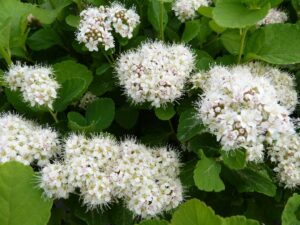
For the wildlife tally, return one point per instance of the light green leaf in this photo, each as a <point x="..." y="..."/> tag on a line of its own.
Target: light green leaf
<point x="235" y="14"/>
<point x="154" y="11"/>
<point x="207" y="175"/>
<point x="191" y="30"/>
<point x="239" y="220"/>
<point x="277" y="44"/>
<point x="195" y="212"/>
<point x="291" y="211"/>
<point x="235" y="159"/>
<point x="189" y="126"/>
<point x="231" y="41"/>
<point x="21" y="202"/>
<point x="102" y="113"/>
<point x="154" y="222"/>
<point x="165" y="113"/>
<point x="206" y="11"/>
<point x="73" y="20"/>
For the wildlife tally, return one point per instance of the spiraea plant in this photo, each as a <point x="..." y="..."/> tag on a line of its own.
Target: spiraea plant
<point x="155" y="112"/>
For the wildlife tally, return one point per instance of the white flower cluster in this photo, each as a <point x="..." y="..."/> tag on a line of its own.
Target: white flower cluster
<point x="104" y="171"/>
<point x="273" y="16"/>
<point x="243" y="108"/>
<point x="187" y="9"/>
<point x="87" y="99"/>
<point x="249" y="106"/>
<point x="96" y="25"/>
<point x="36" y="83"/>
<point x="26" y="142"/>
<point x="147" y="179"/>
<point x="155" y="73"/>
<point x="283" y="82"/>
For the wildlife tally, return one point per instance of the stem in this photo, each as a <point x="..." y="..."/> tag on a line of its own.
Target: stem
<point x="107" y="58"/>
<point x="242" y="45"/>
<point x="54" y="115"/>
<point x="171" y="126"/>
<point x="161" y="20"/>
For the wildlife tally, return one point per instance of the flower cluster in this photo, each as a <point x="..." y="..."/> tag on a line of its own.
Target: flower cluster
<point x="104" y="171"/>
<point x="155" y="73"/>
<point x="36" y="83"/>
<point x="186" y="10"/>
<point x="87" y="99"/>
<point x="249" y="106"/>
<point x="273" y="16"/>
<point x="96" y="25"/>
<point x="242" y="108"/>
<point x="26" y="142"/>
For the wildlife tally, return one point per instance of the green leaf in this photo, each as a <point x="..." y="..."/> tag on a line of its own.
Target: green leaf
<point x="165" y="113"/>
<point x="239" y="220"/>
<point x="235" y="159"/>
<point x="191" y="30"/>
<point x="69" y="91"/>
<point x="195" y="212"/>
<point x="69" y="69"/>
<point x="186" y="173"/>
<point x="154" y="11"/>
<point x="290" y="214"/>
<point x="44" y="39"/>
<point x="102" y="113"/>
<point x="215" y="27"/>
<point x="189" y="126"/>
<point x="103" y="68"/>
<point x="251" y="180"/>
<point x="235" y="14"/>
<point x="21" y="202"/>
<point x="73" y="20"/>
<point x="91" y="217"/>
<point x="5" y="29"/>
<point x="74" y="79"/>
<point x="120" y="215"/>
<point x="76" y="122"/>
<point x="154" y="222"/>
<point x="272" y="44"/>
<point x="231" y="41"/>
<point x="18" y="12"/>
<point x="206" y="11"/>
<point x="207" y="175"/>
<point x="127" y="117"/>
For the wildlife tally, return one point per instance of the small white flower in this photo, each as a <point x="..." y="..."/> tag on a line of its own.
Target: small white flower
<point x="36" y="83"/>
<point x="274" y="16"/>
<point x="155" y="73"/>
<point x="87" y="99"/>
<point x="24" y="141"/>
<point x="96" y="25"/>
<point x="187" y="9"/>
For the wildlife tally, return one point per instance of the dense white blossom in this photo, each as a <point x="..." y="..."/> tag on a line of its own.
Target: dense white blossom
<point x="25" y="141"/>
<point x="97" y="24"/>
<point x="274" y="16"/>
<point x="36" y="83"/>
<point x="104" y="171"/>
<point x="148" y="179"/>
<point x="187" y="9"/>
<point x="283" y="82"/>
<point x="242" y="108"/>
<point x="87" y="99"/>
<point x="285" y="152"/>
<point x="155" y="73"/>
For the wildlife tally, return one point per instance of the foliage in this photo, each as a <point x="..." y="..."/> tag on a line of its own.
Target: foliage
<point x="220" y="187"/>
